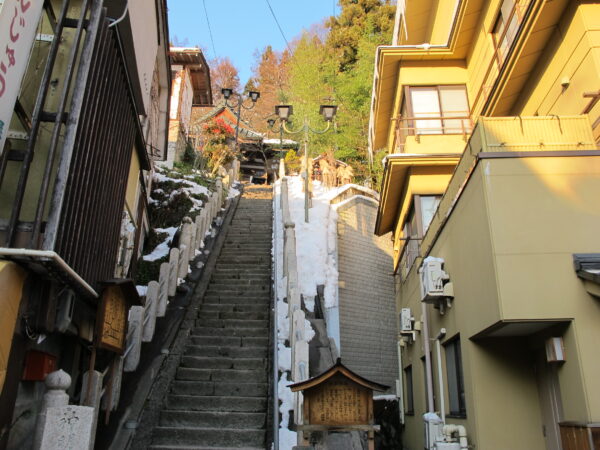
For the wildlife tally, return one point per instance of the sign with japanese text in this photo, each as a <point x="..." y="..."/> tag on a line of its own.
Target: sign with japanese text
<point x="18" y="25"/>
<point x="112" y="320"/>
<point x="338" y="401"/>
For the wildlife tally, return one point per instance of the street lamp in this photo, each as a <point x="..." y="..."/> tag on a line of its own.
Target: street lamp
<point x="284" y="112"/>
<point x="227" y="94"/>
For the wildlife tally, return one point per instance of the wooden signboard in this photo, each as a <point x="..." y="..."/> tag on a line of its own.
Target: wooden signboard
<point x="338" y="399"/>
<point x="111" y="321"/>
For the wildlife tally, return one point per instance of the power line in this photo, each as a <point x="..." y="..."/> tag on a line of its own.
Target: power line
<point x="212" y="41"/>
<point x="279" y="26"/>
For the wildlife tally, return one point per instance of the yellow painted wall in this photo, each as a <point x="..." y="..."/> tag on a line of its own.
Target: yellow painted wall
<point x="573" y="55"/>
<point x="12" y="278"/>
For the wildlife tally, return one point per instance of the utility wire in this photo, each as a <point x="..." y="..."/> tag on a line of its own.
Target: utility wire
<point x="209" y="30"/>
<point x="279" y="26"/>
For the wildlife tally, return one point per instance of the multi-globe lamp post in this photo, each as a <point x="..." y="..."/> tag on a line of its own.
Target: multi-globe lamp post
<point x="284" y="112"/>
<point x="252" y="95"/>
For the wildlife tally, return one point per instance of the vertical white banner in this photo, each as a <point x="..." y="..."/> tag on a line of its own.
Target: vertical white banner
<point x="18" y="24"/>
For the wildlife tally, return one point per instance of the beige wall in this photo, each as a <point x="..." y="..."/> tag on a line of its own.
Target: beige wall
<point x="508" y="249"/>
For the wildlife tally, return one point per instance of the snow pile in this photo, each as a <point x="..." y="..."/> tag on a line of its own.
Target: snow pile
<point x="232" y="191"/>
<point x="188" y="187"/>
<point x="315" y="240"/>
<point x="162" y="249"/>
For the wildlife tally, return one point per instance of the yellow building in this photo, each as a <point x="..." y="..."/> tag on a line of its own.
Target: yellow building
<point x="489" y="114"/>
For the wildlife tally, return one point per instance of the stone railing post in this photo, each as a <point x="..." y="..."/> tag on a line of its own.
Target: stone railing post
<point x="62" y="426"/>
<point x="133" y="343"/>
<point x="199" y="236"/>
<point x="184" y="247"/>
<point x="173" y="271"/>
<point x="150" y="311"/>
<point x="163" y="290"/>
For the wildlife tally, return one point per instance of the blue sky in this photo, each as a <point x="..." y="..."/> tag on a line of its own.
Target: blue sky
<point x="240" y="27"/>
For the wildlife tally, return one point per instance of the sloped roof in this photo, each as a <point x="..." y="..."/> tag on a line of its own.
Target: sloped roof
<point x="226" y="113"/>
<point x="338" y="367"/>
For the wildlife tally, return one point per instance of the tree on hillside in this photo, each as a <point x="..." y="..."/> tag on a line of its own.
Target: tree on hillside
<point x="223" y="74"/>
<point x="356" y="17"/>
<point x="271" y="80"/>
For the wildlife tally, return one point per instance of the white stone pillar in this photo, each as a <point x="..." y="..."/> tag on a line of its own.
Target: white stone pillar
<point x="150" y="311"/>
<point x="57" y="384"/>
<point x="91" y="394"/>
<point x="184" y="247"/>
<point x="163" y="290"/>
<point x="173" y="271"/>
<point x="199" y="235"/>
<point x="192" y="250"/>
<point x="113" y="394"/>
<point x="134" y="338"/>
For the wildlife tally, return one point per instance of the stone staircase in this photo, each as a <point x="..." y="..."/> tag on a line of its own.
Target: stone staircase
<point x="219" y="397"/>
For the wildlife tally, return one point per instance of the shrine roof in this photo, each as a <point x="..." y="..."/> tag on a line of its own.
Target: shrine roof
<point x="337" y="368"/>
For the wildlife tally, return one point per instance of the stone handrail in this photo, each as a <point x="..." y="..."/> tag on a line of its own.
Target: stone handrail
<point x="295" y="314"/>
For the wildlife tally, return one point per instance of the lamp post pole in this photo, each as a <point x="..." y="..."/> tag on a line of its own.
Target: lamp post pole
<point x="284" y="111"/>
<point x="252" y="95"/>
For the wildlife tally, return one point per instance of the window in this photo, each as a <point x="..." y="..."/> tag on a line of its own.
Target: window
<point x="408" y="391"/>
<point x="456" y="387"/>
<point x="417" y="224"/>
<point x="430" y="109"/>
<point x="505" y="29"/>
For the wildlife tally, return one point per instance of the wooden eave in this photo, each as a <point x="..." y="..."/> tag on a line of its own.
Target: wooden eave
<point x="338" y="367"/>
<point x="394" y="181"/>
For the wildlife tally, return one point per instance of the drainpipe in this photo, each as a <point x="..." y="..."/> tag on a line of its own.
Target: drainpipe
<point x="438" y="348"/>
<point x="400" y="387"/>
<point x="427" y="350"/>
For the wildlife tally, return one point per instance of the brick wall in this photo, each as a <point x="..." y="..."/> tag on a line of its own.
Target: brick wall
<point x="366" y="294"/>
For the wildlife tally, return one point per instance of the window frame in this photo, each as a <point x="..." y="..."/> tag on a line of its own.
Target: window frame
<point x="406" y="126"/>
<point x="458" y="387"/>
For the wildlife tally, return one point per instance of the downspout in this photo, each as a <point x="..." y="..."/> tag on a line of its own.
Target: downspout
<point x="400" y="387"/>
<point x="438" y="348"/>
<point x="427" y="350"/>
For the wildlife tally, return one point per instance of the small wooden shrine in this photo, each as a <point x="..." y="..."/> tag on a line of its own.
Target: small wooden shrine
<point x="338" y="400"/>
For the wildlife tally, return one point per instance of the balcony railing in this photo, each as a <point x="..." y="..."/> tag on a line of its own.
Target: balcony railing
<point x="453" y="123"/>
<point x="497" y="135"/>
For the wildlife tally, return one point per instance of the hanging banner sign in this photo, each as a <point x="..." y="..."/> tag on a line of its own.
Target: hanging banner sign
<point x="18" y="25"/>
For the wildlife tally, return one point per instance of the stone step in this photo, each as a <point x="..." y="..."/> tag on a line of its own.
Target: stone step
<point x="233" y="376"/>
<point x="248" y="292"/>
<point x="193" y="447"/>
<point x="241" y="277"/>
<point x="201" y="362"/>
<point x="212" y="419"/>
<point x="259" y="315"/>
<point x="230" y="341"/>
<point x="210" y="403"/>
<point x="232" y="308"/>
<point x="232" y="323"/>
<point x="233" y="352"/>
<point x="208" y="436"/>
<point x="239" y="283"/>
<point x="207" y="388"/>
<point x="236" y="299"/>
<point x="242" y="332"/>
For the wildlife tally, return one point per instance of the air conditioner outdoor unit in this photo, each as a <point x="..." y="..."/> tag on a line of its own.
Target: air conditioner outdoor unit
<point x="406" y="320"/>
<point x="435" y="282"/>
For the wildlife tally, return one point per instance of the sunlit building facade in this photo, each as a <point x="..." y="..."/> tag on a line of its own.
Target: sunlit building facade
<point x="489" y="117"/>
